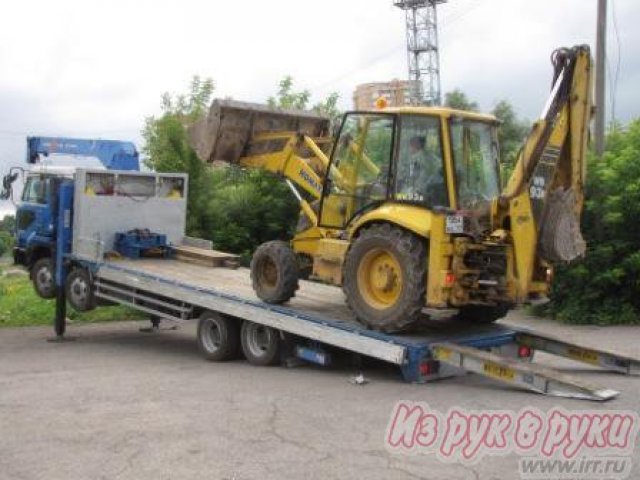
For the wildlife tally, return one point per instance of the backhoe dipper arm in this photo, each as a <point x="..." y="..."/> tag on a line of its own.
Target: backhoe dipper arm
<point x="545" y="194"/>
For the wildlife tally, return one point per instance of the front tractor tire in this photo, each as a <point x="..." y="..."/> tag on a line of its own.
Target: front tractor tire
<point x="43" y="278"/>
<point x="274" y="272"/>
<point x="385" y="278"/>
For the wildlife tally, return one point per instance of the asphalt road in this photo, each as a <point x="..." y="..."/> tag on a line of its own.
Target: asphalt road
<point x="119" y="404"/>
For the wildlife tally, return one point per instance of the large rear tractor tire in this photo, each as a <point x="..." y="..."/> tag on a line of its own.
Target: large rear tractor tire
<point x="385" y="277"/>
<point x="482" y="314"/>
<point x="43" y="278"/>
<point x="274" y="272"/>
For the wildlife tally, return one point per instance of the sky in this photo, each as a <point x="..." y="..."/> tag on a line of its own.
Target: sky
<point x="96" y="69"/>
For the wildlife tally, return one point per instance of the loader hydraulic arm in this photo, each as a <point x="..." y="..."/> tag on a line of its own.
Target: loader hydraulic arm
<point x="544" y="197"/>
<point x="287" y="161"/>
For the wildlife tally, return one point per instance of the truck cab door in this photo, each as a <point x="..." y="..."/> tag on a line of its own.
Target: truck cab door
<point x="33" y="215"/>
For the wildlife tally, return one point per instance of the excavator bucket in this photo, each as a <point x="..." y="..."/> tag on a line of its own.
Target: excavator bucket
<point x="226" y="133"/>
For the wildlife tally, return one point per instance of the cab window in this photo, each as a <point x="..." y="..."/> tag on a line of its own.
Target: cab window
<point x="359" y="171"/>
<point x="475" y="154"/>
<point x="36" y="190"/>
<point x="419" y="170"/>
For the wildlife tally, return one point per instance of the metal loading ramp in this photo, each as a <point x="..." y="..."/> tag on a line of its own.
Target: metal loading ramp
<point x="537" y="378"/>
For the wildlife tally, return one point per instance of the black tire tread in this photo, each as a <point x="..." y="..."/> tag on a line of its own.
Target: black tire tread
<point x="412" y="251"/>
<point x="228" y="350"/>
<point x="91" y="302"/>
<point x="34" y="268"/>
<point x="272" y="357"/>
<point x="287" y="264"/>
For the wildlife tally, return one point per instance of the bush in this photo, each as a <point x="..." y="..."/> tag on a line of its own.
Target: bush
<point x="604" y="287"/>
<point x="245" y="208"/>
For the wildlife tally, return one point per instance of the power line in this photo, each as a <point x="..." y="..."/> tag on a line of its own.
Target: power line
<point x="360" y="68"/>
<point x="447" y="22"/>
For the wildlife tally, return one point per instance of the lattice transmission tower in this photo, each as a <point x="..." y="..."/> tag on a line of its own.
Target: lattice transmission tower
<point x="422" y="49"/>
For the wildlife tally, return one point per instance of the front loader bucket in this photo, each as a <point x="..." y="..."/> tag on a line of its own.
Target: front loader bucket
<point x="225" y="133"/>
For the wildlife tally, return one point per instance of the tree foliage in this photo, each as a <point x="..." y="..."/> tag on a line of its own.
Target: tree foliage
<point x="166" y="148"/>
<point x="511" y="135"/>
<point x="289" y="99"/>
<point x="604" y="287"/>
<point x="247" y="208"/>
<point x="458" y="99"/>
<point x="237" y="209"/>
<point x="7" y="229"/>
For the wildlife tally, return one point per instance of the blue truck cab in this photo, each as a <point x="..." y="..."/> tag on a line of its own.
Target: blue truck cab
<point x="52" y="160"/>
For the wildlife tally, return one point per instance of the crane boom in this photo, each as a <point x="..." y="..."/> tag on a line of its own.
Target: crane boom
<point x="113" y="154"/>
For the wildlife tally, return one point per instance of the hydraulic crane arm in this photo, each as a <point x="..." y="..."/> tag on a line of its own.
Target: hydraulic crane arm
<point x="113" y="154"/>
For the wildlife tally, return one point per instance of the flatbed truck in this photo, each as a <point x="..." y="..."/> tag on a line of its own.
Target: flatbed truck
<point x="315" y="323"/>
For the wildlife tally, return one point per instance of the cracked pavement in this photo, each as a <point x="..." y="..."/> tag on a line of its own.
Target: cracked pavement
<point x="119" y="404"/>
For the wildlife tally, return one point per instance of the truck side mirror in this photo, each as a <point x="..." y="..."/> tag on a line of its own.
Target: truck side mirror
<point x="7" y="182"/>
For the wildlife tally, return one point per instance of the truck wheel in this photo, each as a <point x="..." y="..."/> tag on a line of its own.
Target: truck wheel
<point x="43" y="278"/>
<point x="385" y="276"/>
<point x="79" y="290"/>
<point x="260" y="344"/>
<point x="274" y="272"/>
<point x="218" y="336"/>
<point x="482" y="314"/>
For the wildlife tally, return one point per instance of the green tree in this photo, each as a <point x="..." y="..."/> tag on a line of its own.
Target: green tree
<point x="458" y="99"/>
<point x="247" y="208"/>
<point x="511" y="135"/>
<point x="604" y="287"/>
<point x="236" y="209"/>
<point x="329" y="108"/>
<point x="287" y="98"/>
<point x="7" y="242"/>
<point x="166" y="148"/>
<point x="8" y="223"/>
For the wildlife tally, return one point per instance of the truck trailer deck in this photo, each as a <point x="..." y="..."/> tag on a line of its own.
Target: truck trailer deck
<point x="318" y="318"/>
<point x="91" y="214"/>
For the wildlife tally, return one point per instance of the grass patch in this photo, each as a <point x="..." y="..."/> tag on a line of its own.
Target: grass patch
<point x="20" y="306"/>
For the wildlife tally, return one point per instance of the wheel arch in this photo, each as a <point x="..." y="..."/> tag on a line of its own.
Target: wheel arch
<point x="415" y="220"/>
<point x="35" y="253"/>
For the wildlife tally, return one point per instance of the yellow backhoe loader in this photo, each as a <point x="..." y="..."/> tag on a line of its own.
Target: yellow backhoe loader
<point x="403" y="207"/>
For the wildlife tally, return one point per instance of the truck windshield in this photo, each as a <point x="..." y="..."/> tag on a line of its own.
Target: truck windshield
<point x="36" y="190"/>
<point x="475" y="155"/>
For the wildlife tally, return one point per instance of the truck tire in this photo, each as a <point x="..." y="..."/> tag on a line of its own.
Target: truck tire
<point x="43" y="278"/>
<point x="385" y="277"/>
<point x="79" y="290"/>
<point x="274" y="272"/>
<point x="482" y="314"/>
<point x="218" y="336"/>
<point x="260" y="344"/>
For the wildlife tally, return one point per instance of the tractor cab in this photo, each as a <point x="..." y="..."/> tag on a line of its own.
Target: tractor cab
<point x="435" y="159"/>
